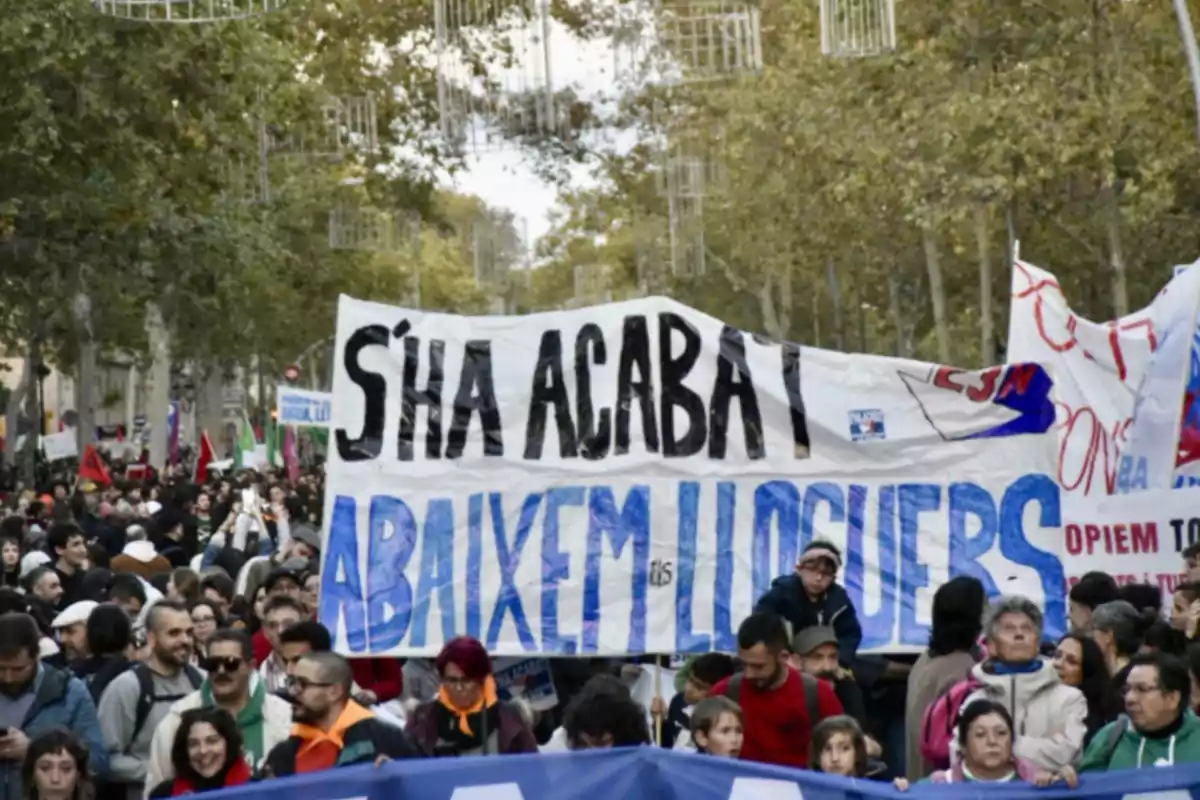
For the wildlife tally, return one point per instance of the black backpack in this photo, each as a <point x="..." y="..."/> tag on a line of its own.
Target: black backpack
<point x="147" y="699"/>
<point x="812" y="702"/>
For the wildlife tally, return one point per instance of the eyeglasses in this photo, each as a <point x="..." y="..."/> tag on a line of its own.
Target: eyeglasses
<point x="225" y="664"/>
<point x="296" y="684"/>
<point x="1139" y="689"/>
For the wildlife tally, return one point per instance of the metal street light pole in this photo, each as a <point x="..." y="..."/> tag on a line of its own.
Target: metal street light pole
<point x="1193" y="53"/>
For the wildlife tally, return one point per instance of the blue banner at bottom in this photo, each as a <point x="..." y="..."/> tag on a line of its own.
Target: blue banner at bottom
<point x="649" y="773"/>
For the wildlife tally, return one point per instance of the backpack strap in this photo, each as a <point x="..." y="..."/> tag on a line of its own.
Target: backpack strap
<point x="812" y="700"/>
<point x="147" y="699"/>
<point x="733" y="689"/>
<point x="1114" y="737"/>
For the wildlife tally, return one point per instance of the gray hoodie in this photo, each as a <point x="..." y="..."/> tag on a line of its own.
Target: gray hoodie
<point x="128" y="760"/>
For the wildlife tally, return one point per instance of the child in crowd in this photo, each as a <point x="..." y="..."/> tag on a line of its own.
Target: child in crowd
<point x="717" y="727"/>
<point x="839" y="747"/>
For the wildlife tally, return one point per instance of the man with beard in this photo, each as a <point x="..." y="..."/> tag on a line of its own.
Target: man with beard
<point x="331" y="729"/>
<point x="775" y="698"/>
<point x="263" y="719"/>
<point x="815" y="652"/>
<point x="35" y="698"/>
<point x="137" y="701"/>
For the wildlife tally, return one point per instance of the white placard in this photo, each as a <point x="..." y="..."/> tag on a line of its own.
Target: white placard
<point x="59" y="446"/>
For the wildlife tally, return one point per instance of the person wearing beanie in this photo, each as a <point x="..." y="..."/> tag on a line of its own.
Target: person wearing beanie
<point x="813" y="597"/>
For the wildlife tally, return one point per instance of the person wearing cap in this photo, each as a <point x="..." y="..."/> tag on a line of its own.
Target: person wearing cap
<point x="70" y="628"/>
<point x="812" y="597"/>
<point x="815" y="652"/>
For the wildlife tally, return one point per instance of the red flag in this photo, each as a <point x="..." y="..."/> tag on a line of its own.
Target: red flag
<point x="91" y="467"/>
<point x="203" y="459"/>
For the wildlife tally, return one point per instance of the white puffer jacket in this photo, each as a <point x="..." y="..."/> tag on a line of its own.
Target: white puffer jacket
<point x="1048" y="716"/>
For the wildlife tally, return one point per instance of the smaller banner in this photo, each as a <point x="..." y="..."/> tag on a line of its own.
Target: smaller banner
<point x="302" y="407"/>
<point x="1137" y="538"/>
<point x="528" y="679"/>
<point x="651" y="773"/>
<point x="59" y="446"/>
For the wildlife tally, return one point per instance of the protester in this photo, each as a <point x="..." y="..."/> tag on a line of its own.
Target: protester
<point x="136" y="702"/>
<point x="812" y="596"/>
<point x="281" y="613"/>
<point x="205" y="754"/>
<point x="69" y="548"/>
<point x="953" y="651"/>
<point x="1049" y="714"/>
<point x="986" y="750"/>
<point x="183" y="585"/>
<point x="206" y="620"/>
<point x="717" y="727"/>
<point x="38" y="698"/>
<point x="57" y="767"/>
<point x="139" y="556"/>
<point x="780" y="706"/>
<point x="1093" y="590"/>
<point x="109" y="640"/>
<point x="467" y="717"/>
<point x="45" y="586"/>
<point x="1118" y="628"/>
<point x="331" y="729"/>
<point x="1079" y="662"/>
<point x="263" y="720"/>
<point x="814" y="652"/>
<point x="702" y="674"/>
<point x="70" y="628"/>
<point x="1160" y="729"/>
<point x="1191" y="561"/>
<point x="839" y="747"/>
<point x="604" y="715"/>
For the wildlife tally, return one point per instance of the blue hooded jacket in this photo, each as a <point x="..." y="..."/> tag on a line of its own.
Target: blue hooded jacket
<point x="787" y="599"/>
<point x="60" y="701"/>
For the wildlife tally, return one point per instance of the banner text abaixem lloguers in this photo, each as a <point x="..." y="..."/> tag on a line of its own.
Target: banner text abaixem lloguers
<point x="630" y="478"/>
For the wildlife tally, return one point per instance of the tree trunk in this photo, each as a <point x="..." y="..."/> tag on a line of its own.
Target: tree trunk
<point x="85" y="372"/>
<point x="987" y="326"/>
<point x="158" y="390"/>
<point x="1116" y="255"/>
<point x="937" y="294"/>
<point x="33" y="405"/>
<point x="835" y="298"/>
<point x="210" y="403"/>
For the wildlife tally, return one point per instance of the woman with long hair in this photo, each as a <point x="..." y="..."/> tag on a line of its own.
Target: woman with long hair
<point x="467" y="717"/>
<point x="839" y="747"/>
<point x="206" y="754"/>
<point x="1079" y="662"/>
<point x="958" y="607"/>
<point x="56" y="768"/>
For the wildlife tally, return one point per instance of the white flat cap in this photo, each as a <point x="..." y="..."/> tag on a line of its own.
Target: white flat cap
<point x="74" y="614"/>
<point x="32" y="560"/>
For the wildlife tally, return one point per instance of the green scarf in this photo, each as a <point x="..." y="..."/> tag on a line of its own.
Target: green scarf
<point x="250" y="721"/>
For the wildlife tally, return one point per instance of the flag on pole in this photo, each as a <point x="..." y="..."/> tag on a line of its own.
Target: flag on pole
<point x="245" y="442"/>
<point x="271" y="435"/>
<point x="91" y="467"/>
<point x="173" y="454"/>
<point x="203" y="459"/>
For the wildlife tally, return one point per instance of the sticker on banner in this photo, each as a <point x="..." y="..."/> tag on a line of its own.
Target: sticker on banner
<point x="866" y="425"/>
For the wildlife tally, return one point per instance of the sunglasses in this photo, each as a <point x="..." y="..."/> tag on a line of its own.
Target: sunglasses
<point x="226" y="664"/>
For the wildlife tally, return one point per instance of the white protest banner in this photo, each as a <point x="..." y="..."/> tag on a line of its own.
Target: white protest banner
<point x="1162" y="440"/>
<point x="1136" y="538"/>
<point x="302" y="407"/>
<point x="630" y="478"/>
<point x="59" y="446"/>
<point x="1097" y="368"/>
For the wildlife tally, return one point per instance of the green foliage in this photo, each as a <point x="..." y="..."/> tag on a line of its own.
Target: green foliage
<point x="1074" y="121"/>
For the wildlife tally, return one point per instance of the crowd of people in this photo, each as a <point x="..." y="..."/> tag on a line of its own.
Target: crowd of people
<point x="159" y="638"/>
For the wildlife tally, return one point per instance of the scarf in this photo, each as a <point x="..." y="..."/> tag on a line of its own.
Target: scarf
<point x="250" y="720"/>
<point x="464" y="728"/>
<point x="234" y="774"/>
<point x="998" y="667"/>
<point x="320" y="749"/>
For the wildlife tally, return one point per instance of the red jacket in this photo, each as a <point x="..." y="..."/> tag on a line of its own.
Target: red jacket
<point x="382" y="676"/>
